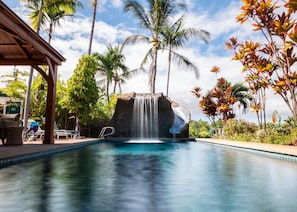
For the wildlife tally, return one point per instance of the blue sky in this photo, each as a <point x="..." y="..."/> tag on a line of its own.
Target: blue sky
<point x="113" y="26"/>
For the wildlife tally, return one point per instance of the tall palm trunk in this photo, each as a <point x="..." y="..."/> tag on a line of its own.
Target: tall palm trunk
<point x="107" y="90"/>
<point x="93" y="25"/>
<point x="27" y="102"/>
<point x="50" y="33"/>
<point x="116" y="82"/>
<point x="115" y="86"/>
<point x="169" y="68"/>
<point x="39" y="17"/>
<point x="153" y="70"/>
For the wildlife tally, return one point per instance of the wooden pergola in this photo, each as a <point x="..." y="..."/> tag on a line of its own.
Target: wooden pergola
<point x="21" y="45"/>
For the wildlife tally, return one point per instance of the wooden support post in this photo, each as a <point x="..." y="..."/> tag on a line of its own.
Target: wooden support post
<point x="50" y="105"/>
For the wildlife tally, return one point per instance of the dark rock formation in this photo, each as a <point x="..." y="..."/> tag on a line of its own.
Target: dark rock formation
<point x="122" y="117"/>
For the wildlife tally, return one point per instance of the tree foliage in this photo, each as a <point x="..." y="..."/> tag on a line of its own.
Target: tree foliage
<point x="50" y="12"/>
<point x="15" y="84"/>
<point x="111" y="66"/>
<point x="200" y="129"/>
<point x="82" y="91"/>
<point x="38" y="98"/>
<point x="151" y="19"/>
<point x="270" y="63"/>
<point x="174" y="36"/>
<point x="63" y="117"/>
<point x="221" y="100"/>
<point x="38" y="101"/>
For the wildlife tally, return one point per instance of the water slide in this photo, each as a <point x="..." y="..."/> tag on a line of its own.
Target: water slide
<point x="182" y="116"/>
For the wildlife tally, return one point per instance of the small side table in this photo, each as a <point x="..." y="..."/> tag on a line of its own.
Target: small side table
<point x="14" y="135"/>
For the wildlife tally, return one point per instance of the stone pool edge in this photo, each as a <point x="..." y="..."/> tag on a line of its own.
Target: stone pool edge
<point x="277" y="151"/>
<point x="42" y="153"/>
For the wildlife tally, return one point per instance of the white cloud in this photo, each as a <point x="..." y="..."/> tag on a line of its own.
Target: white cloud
<point x="103" y="4"/>
<point x="117" y="3"/>
<point x="72" y="40"/>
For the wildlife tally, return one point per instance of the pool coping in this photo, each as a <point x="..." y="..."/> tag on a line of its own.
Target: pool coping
<point x="283" y="152"/>
<point x="35" y="150"/>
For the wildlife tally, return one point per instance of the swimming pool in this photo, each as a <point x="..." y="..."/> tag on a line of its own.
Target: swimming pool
<point x="150" y="177"/>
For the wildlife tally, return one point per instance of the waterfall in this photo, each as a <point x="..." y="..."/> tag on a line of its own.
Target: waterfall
<point x="145" y="116"/>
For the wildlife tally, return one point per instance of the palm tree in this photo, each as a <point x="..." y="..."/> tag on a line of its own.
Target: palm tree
<point x="242" y="95"/>
<point x="39" y="18"/>
<point x="221" y="99"/>
<point x="152" y="20"/>
<point x="94" y="6"/>
<point x="59" y="9"/>
<point x="51" y="12"/>
<point x="120" y="78"/>
<point x="174" y="36"/>
<point x="37" y="10"/>
<point x="37" y="15"/>
<point x="111" y="65"/>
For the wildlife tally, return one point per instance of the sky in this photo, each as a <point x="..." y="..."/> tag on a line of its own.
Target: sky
<point x="112" y="26"/>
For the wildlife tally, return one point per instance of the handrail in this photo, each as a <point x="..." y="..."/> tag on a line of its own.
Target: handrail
<point x="102" y="132"/>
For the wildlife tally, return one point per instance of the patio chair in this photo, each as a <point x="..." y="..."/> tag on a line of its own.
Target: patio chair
<point x="62" y="132"/>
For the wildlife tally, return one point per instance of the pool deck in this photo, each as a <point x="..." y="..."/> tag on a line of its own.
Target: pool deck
<point x="31" y="147"/>
<point x="36" y="147"/>
<point x="272" y="148"/>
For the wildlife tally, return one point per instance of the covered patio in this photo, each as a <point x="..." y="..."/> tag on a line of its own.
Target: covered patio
<point x="20" y="45"/>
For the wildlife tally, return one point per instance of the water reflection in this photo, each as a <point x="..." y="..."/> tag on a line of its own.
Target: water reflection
<point x="150" y="177"/>
<point x="45" y="184"/>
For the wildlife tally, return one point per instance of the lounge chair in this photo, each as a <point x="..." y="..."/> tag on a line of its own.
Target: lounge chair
<point x="62" y="132"/>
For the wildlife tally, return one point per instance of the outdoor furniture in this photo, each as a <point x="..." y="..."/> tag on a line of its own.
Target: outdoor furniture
<point x="10" y="132"/>
<point x="14" y="135"/>
<point x="62" y="132"/>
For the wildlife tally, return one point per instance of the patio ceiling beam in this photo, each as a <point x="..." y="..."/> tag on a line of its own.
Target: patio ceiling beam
<point x="4" y="29"/>
<point x="6" y="45"/>
<point x="20" y="62"/>
<point x="23" y="50"/>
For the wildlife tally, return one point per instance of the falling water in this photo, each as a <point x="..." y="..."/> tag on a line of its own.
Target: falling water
<point x="145" y="116"/>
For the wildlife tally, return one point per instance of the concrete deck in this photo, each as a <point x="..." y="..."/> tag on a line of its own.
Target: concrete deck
<point x="12" y="154"/>
<point x="35" y="149"/>
<point x="272" y="148"/>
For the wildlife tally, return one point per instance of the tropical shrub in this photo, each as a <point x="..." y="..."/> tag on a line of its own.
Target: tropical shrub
<point x="200" y="129"/>
<point x="240" y="130"/>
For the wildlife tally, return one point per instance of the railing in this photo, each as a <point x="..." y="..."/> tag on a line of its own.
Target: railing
<point x="104" y="134"/>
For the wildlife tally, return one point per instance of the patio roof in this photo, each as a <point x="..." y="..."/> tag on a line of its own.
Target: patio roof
<point x="21" y="45"/>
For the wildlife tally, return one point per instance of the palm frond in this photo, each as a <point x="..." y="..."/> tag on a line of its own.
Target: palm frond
<point x="139" y="12"/>
<point x="134" y="39"/>
<point x="148" y="55"/>
<point x="183" y="61"/>
<point x="133" y="72"/>
<point x="101" y="82"/>
<point x="199" y="33"/>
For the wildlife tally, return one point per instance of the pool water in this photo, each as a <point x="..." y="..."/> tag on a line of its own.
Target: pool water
<point x="150" y="177"/>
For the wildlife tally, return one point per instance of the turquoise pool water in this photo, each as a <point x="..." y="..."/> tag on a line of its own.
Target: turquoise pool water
<point x="150" y="177"/>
